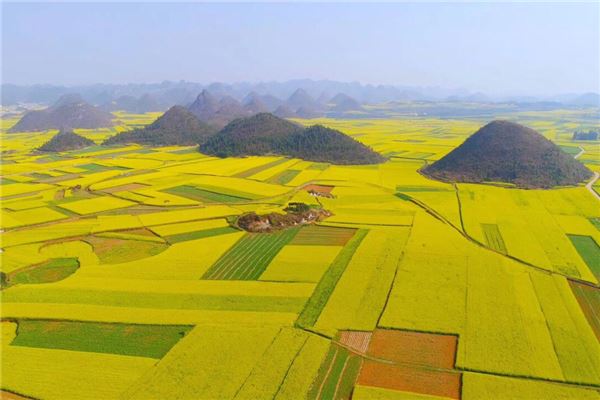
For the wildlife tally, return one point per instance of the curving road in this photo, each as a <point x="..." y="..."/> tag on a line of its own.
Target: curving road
<point x="590" y="185"/>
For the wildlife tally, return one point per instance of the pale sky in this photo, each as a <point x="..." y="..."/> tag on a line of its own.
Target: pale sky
<point x="498" y="48"/>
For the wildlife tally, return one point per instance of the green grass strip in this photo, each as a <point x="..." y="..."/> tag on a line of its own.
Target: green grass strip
<point x="184" y="237"/>
<point x="94" y="167"/>
<point x="589" y="251"/>
<point x="152" y="341"/>
<point x="285" y="177"/>
<point x="327" y="284"/>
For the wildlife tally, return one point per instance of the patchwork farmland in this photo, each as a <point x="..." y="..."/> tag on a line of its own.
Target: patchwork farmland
<point x="124" y="276"/>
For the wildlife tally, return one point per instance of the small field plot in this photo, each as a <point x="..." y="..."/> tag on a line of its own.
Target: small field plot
<point x="98" y="204"/>
<point x="183" y="237"/>
<point x="418" y="348"/>
<point x="49" y="271"/>
<point x="493" y="237"/>
<point x="152" y="341"/>
<point x="113" y="250"/>
<point x="300" y="263"/>
<point x="285" y="177"/>
<point x="316" y="235"/>
<point x="589" y="251"/>
<point x="250" y="256"/>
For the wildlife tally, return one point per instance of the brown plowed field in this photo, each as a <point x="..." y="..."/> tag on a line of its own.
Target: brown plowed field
<point x="410" y="379"/>
<point x="414" y="348"/>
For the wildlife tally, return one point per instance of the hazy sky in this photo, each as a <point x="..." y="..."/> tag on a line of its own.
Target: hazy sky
<point x="510" y="48"/>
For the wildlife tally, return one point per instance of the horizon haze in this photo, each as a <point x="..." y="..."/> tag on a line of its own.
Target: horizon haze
<point x="403" y="44"/>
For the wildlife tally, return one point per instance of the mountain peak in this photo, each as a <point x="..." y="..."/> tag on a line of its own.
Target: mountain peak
<point x="504" y="151"/>
<point x="177" y="126"/>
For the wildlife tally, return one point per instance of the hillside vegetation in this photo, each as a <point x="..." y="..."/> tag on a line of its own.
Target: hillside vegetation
<point x="177" y="126"/>
<point x="65" y="141"/>
<point x="504" y="151"/>
<point x="265" y="133"/>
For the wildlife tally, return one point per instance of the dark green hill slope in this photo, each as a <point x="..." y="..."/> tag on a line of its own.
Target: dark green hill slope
<point x="65" y="141"/>
<point x="177" y="126"/>
<point x="265" y="133"/>
<point x="503" y="151"/>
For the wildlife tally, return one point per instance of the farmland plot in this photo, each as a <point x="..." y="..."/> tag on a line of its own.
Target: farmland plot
<point x="250" y="256"/>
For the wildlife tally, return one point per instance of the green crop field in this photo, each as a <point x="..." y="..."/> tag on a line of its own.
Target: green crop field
<point x="152" y="341"/>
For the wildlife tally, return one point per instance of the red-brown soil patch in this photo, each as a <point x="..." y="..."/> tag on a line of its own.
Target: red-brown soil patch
<point x="414" y="348"/>
<point x="410" y="379"/>
<point x="412" y="361"/>
<point x="319" y="188"/>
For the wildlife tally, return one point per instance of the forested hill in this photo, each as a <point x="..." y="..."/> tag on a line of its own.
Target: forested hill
<point x="177" y="126"/>
<point x="265" y="133"/>
<point x="65" y="141"/>
<point x="504" y="151"/>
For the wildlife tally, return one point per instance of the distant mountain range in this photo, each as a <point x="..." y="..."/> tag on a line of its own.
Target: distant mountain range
<point x="220" y="111"/>
<point x="161" y="96"/>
